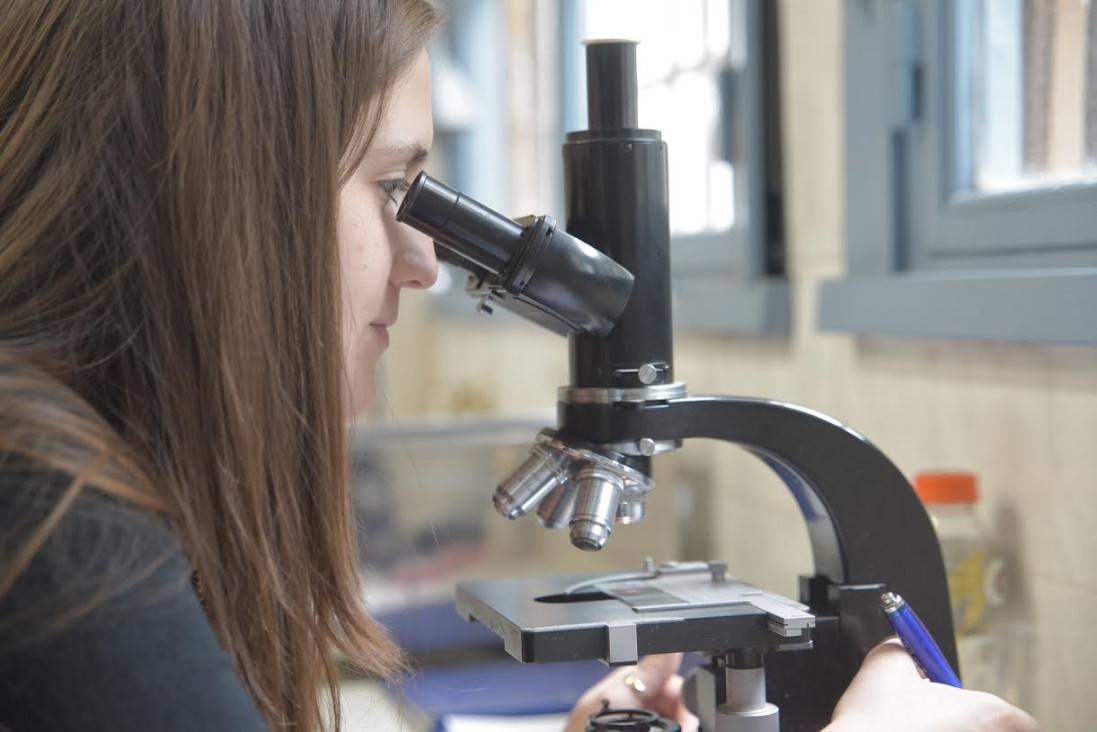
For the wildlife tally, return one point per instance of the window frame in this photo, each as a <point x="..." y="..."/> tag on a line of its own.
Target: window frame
<point x="923" y="260"/>
<point x="734" y="282"/>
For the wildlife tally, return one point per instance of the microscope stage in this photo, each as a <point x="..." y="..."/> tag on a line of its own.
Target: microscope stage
<point x="621" y="616"/>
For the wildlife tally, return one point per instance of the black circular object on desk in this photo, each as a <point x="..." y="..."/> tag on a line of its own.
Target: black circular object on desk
<point x="629" y="720"/>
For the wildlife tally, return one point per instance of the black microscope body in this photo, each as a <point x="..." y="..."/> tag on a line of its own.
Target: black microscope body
<point x="605" y="282"/>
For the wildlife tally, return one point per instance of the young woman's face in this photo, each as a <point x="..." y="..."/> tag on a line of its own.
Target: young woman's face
<point x="379" y="256"/>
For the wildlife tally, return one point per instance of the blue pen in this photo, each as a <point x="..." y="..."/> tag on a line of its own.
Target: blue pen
<point x="919" y="643"/>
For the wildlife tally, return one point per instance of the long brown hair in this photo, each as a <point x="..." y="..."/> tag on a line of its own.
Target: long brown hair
<point x="169" y="176"/>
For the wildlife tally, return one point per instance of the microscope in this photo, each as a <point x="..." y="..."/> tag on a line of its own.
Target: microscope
<point x="603" y="280"/>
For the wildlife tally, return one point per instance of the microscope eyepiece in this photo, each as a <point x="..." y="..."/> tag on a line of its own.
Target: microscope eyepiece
<point x="611" y="85"/>
<point x="529" y="266"/>
<point x="461" y="224"/>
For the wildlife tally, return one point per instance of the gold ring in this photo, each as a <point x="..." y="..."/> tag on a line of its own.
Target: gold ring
<point x="636" y="685"/>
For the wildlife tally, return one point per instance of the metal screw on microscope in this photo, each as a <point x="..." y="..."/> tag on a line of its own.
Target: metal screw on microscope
<point x="595" y="507"/>
<point x="646" y="446"/>
<point x="648" y="374"/>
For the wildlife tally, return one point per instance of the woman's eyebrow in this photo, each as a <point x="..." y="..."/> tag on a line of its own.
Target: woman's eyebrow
<point x="413" y="152"/>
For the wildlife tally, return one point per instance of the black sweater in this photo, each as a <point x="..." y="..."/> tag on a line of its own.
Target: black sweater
<point x="144" y="658"/>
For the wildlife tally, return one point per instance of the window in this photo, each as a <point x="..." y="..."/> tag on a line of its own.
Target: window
<point x="971" y="170"/>
<point x="707" y="75"/>
<point x="1025" y="94"/>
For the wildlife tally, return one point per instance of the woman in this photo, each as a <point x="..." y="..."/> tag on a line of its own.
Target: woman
<point x="199" y="265"/>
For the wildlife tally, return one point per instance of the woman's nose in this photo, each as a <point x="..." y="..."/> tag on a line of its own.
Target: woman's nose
<point x="414" y="263"/>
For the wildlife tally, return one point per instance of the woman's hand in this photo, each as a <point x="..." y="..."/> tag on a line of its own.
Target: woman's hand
<point x="652" y="684"/>
<point x="889" y="693"/>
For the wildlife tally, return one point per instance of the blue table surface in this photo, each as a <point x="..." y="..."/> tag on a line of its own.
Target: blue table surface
<point x="436" y="627"/>
<point x="500" y="686"/>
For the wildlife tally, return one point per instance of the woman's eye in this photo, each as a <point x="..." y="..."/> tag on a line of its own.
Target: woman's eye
<point x="395" y="189"/>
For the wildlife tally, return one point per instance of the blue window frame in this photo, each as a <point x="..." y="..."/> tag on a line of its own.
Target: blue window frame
<point x="971" y="171"/>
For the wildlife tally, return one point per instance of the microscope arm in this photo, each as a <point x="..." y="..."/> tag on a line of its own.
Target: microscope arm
<point x="868" y="529"/>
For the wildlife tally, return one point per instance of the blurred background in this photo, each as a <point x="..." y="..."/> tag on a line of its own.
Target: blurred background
<point x="885" y="210"/>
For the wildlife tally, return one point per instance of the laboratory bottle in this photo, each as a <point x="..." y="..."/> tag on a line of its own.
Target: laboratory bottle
<point x="976" y="572"/>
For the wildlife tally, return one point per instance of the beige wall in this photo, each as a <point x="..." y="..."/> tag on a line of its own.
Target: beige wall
<point x="1023" y="417"/>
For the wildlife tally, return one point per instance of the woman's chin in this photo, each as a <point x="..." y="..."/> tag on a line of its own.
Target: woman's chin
<point x="360" y="409"/>
<point x="360" y="400"/>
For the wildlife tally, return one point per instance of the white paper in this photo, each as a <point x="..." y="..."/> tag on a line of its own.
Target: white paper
<point x="498" y="723"/>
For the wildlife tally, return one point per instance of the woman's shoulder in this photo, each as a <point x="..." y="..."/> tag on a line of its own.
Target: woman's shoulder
<point x="100" y="627"/>
<point x="32" y="492"/>
<point x="71" y="550"/>
<point x="32" y="488"/>
<point x="70" y="544"/>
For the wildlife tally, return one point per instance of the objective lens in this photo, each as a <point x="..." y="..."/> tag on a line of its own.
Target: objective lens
<point x="542" y="471"/>
<point x="631" y="511"/>
<point x="555" y="511"/>
<point x="595" y="507"/>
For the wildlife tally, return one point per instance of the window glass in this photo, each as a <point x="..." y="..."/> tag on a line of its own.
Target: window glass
<point x="684" y="46"/>
<point x="1026" y="94"/>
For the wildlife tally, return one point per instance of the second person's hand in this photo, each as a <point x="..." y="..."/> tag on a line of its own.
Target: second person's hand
<point x="653" y="684"/>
